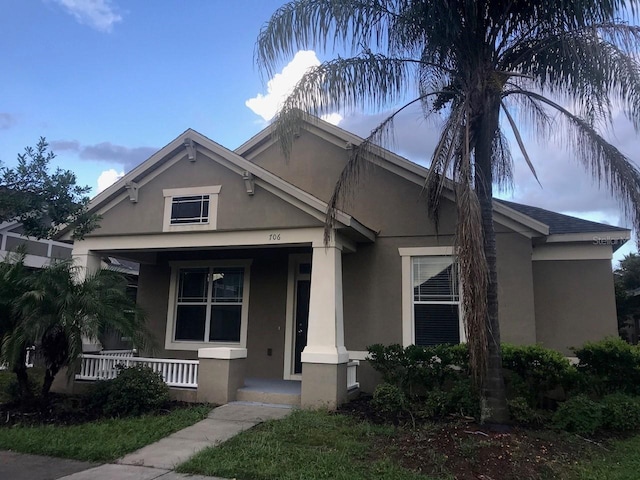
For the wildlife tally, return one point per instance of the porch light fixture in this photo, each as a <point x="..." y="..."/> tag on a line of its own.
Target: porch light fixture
<point x="190" y="145"/>
<point x="249" y="182"/>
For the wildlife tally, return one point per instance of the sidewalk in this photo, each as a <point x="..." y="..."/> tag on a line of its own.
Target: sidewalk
<point x="156" y="461"/>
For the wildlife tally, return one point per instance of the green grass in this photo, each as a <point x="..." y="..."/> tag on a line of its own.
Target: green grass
<point x="309" y="445"/>
<point x="621" y="461"/>
<point x="100" y="441"/>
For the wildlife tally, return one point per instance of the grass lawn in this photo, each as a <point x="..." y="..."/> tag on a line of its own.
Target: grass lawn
<point x="320" y="445"/>
<point x="100" y="441"/>
<point x="621" y="461"/>
<point x="309" y="445"/>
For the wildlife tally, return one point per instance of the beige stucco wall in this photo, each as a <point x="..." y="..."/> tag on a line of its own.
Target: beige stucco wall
<point x="515" y="288"/>
<point x="236" y="209"/>
<point x="574" y="302"/>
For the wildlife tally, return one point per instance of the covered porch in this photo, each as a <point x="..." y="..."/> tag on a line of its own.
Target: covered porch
<point x="278" y="332"/>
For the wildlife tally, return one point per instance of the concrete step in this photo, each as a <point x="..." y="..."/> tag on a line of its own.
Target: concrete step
<point x="257" y="396"/>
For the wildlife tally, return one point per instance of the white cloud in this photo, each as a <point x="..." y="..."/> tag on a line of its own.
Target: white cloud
<point x="332" y="118"/>
<point x="108" y="178"/>
<point x="281" y="85"/>
<point x="98" y="14"/>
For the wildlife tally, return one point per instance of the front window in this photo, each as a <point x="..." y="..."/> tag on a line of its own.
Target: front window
<point x="436" y="300"/>
<point x="209" y="304"/>
<point x="190" y="210"/>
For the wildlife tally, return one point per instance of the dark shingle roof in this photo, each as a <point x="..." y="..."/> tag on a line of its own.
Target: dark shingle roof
<point x="559" y="223"/>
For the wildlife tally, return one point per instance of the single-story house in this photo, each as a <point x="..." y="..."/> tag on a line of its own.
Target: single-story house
<point x="234" y="266"/>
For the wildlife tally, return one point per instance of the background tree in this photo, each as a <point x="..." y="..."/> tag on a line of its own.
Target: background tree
<point x="40" y="200"/>
<point x="480" y="64"/>
<point x="56" y="309"/>
<point x="626" y="280"/>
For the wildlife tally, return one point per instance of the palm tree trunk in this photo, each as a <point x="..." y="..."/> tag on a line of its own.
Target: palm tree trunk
<point x="494" y="402"/>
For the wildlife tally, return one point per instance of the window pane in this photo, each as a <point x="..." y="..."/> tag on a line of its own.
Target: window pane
<point x="227" y="285"/>
<point x="190" y="321"/>
<point x="193" y="285"/>
<point x="436" y="324"/>
<point x="435" y="279"/>
<point x="193" y="209"/>
<point x="225" y="323"/>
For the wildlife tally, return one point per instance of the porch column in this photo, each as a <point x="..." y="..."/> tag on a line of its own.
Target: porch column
<point x="88" y="263"/>
<point x="324" y="359"/>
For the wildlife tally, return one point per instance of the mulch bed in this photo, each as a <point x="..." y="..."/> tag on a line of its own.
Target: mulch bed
<point x="464" y="450"/>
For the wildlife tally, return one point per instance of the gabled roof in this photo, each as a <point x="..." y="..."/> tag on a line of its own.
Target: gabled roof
<point x="294" y="195"/>
<point x="559" y="223"/>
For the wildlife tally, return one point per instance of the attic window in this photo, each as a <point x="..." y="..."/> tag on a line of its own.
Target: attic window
<point x="191" y="208"/>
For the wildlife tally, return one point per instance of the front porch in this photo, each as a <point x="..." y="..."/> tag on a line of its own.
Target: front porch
<point x="185" y="374"/>
<point x="255" y="305"/>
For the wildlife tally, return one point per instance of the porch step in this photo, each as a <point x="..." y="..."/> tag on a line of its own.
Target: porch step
<point x="280" y="392"/>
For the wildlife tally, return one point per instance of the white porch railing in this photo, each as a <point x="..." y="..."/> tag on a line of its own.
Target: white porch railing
<point x="175" y="373"/>
<point x="118" y="353"/>
<point x="352" y="374"/>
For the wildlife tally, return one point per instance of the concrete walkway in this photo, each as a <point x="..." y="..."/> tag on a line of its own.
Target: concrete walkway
<point x="156" y="461"/>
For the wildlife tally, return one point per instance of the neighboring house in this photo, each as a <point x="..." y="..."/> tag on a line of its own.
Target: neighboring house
<point x="232" y="255"/>
<point x="39" y="252"/>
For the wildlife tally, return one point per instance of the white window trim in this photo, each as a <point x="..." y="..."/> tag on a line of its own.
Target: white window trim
<point x="170" y="343"/>
<point x="408" y="323"/>
<point x="213" y="192"/>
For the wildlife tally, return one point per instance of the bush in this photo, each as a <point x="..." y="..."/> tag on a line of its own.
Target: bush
<point x="579" y="414"/>
<point x="535" y="371"/>
<point x="135" y="391"/>
<point x="389" y="399"/>
<point x="418" y="370"/>
<point x="609" y="366"/>
<point x="522" y="413"/>
<point x="621" y="412"/>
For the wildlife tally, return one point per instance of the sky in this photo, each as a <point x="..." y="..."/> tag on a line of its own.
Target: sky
<point x="109" y="82"/>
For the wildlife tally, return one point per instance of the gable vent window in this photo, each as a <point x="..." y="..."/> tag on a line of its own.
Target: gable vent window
<point x="190" y="210"/>
<point x="436" y="300"/>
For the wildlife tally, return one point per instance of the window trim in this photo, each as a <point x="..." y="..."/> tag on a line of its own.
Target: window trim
<point x="408" y="313"/>
<point x="170" y="342"/>
<point x="169" y="193"/>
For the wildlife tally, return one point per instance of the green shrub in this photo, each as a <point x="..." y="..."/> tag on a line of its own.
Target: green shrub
<point x="621" y="412"/>
<point x="523" y="414"/>
<point x="534" y="371"/>
<point x="389" y="399"/>
<point x="609" y="366"/>
<point x="579" y="414"/>
<point x="418" y="370"/>
<point x="135" y="391"/>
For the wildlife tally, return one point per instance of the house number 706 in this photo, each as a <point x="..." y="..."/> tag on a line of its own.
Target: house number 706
<point x="274" y="236"/>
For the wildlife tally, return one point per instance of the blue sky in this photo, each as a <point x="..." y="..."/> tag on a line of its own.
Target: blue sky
<point x="108" y="82"/>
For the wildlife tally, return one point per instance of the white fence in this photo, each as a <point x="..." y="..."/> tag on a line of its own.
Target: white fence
<point x="176" y="373"/>
<point x="352" y="374"/>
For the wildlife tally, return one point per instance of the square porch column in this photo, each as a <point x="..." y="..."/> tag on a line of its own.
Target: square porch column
<point x="89" y="263"/>
<point x="325" y="358"/>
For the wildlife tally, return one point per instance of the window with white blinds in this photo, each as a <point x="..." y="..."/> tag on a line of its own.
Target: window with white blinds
<point x="436" y="300"/>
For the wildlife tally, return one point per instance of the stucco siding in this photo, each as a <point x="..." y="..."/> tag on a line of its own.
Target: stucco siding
<point x="516" y="308"/>
<point x="236" y="210"/>
<point x="381" y="200"/>
<point x="574" y="302"/>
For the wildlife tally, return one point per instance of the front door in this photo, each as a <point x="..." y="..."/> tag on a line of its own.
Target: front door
<point x="300" y="290"/>
<point x="303" y="289"/>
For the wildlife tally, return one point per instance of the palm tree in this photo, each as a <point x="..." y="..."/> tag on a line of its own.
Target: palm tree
<point x="58" y="309"/>
<point x="481" y="65"/>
